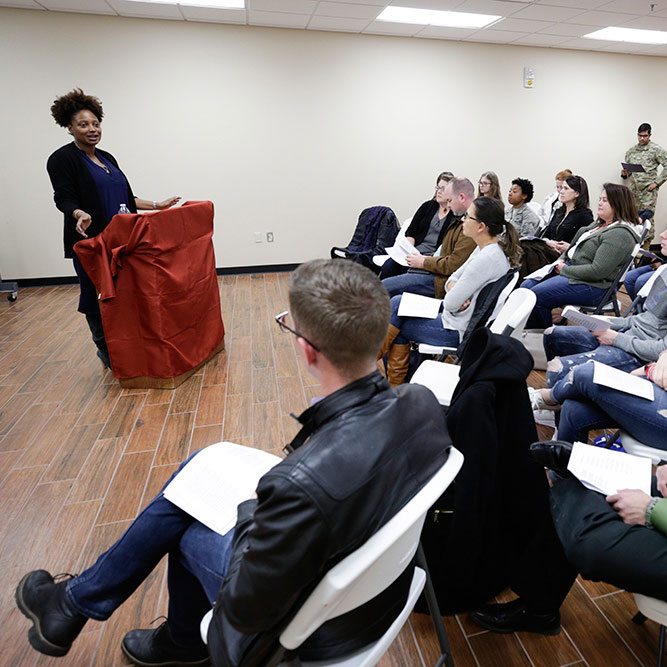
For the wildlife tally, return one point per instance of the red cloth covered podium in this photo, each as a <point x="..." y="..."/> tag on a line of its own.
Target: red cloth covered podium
<point x="158" y="290"/>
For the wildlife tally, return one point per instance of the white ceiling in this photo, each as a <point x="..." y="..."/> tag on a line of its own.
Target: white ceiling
<point x="547" y="23"/>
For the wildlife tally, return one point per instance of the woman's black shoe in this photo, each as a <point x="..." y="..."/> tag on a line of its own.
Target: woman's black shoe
<point x="552" y="454"/>
<point x="515" y="616"/>
<point x="153" y="648"/>
<point x="55" y="622"/>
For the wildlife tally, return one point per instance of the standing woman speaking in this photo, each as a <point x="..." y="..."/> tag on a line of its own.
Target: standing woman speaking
<point x="89" y="188"/>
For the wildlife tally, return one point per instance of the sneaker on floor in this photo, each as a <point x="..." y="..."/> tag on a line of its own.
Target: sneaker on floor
<point x="545" y="418"/>
<point x="155" y="648"/>
<point x="537" y="401"/>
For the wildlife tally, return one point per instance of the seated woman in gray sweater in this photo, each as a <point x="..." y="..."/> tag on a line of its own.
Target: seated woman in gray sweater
<point x="484" y="223"/>
<point x="588" y="266"/>
<point x="629" y="343"/>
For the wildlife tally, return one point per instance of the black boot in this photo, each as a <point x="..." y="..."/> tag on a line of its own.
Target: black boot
<point x="56" y="624"/>
<point x="97" y="331"/>
<point x="515" y="616"/>
<point x="552" y="454"/>
<point x="152" y="648"/>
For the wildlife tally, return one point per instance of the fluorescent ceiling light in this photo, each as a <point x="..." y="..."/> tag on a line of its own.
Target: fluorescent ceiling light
<point x="436" y="17"/>
<point x="218" y="4"/>
<point x="630" y="35"/>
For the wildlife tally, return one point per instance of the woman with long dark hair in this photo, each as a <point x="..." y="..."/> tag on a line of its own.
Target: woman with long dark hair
<point x="497" y="249"/>
<point x="588" y="266"/>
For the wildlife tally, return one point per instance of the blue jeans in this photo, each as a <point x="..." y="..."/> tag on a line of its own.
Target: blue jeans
<point x="636" y="279"/>
<point x="416" y="283"/>
<point x="587" y="406"/>
<point x="392" y="268"/>
<point x="557" y="291"/>
<point x="421" y="329"/>
<point x="198" y="561"/>
<point x="577" y="345"/>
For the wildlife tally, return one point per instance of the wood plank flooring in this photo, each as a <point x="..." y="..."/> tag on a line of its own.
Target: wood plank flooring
<point x="79" y="457"/>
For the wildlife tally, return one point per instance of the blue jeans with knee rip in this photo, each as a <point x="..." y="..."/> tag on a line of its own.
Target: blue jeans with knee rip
<point x="588" y="406"/>
<point x="577" y="345"/>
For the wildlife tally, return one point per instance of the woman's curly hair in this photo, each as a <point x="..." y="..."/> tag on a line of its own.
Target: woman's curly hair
<point x="64" y="107"/>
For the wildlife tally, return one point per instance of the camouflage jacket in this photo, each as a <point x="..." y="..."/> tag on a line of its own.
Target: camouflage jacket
<point x="524" y="219"/>
<point x="650" y="157"/>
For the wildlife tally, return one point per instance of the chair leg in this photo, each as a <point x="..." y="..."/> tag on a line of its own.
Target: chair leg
<point x="661" y="647"/>
<point x="434" y="609"/>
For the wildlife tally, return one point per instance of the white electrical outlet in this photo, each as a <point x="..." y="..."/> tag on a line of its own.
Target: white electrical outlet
<point x="269" y="237"/>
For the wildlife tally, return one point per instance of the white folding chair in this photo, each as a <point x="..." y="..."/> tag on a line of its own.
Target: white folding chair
<point x="369" y="570"/>
<point x="638" y="448"/>
<point x="379" y="260"/>
<point x="442" y="379"/>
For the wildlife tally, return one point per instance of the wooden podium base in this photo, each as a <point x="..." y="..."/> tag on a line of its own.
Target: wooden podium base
<point x="145" y="382"/>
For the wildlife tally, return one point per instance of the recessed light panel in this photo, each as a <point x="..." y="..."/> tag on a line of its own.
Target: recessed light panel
<point x="436" y="17"/>
<point x="629" y="35"/>
<point x="218" y="4"/>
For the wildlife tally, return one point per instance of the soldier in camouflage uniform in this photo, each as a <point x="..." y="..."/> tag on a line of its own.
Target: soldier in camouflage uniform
<point x="644" y="186"/>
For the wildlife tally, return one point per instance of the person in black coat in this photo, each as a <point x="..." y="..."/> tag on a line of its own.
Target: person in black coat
<point x="501" y="533"/>
<point x="427" y="227"/>
<point x="89" y="188"/>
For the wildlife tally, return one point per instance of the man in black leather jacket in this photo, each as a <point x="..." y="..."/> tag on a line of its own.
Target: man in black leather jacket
<point x="363" y="451"/>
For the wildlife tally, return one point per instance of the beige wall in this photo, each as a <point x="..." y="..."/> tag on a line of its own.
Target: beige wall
<point x="295" y="132"/>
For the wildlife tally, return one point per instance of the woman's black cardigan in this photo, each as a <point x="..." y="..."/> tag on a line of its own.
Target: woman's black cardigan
<point x="421" y="221"/>
<point x="74" y="187"/>
<point x="560" y="229"/>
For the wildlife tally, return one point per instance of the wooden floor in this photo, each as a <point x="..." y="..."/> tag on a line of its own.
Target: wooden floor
<point x="79" y="457"/>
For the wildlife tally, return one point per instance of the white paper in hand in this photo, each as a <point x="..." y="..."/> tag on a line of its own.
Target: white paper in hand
<point x="415" y="305"/>
<point x="607" y="471"/>
<point x="212" y="485"/>
<point x="400" y="250"/>
<point x="591" y="322"/>
<point x="615" y="379"/>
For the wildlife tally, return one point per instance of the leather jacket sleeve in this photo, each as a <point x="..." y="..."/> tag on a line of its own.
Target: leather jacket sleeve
<point x="271" y="567"/>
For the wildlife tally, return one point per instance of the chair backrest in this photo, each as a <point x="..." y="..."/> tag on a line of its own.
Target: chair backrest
<point x="514" y="314"/>
<point x="375" y="565"/>
<point x="490" y="300"/>
<point x="610" y="293"/>
<point x="646" y="228"/>
<point x="534" y="207"/>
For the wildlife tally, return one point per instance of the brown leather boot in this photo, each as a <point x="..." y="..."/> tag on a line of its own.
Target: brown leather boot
<point x="398" y="361"/>
<point x="392" y="332"/>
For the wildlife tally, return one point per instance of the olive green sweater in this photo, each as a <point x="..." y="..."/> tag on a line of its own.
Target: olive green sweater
<point x="598" y="258"/>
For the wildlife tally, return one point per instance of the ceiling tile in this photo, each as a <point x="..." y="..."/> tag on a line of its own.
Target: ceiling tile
<point x="496" y="7"/>
<point x="497" y="36"/>
<point x="634" y="6"/>
<point x="540" y="39"/>
<point x="647" y="23"/>
<point x="369" y="12"/>
<point x="152" y="10"/>
<point x="623" y="47"/>
<point x="24" y="4"/>
<point x="567" y="29"/>
<point x="519" y="25"/>
<point x="294" y="6"/>
<point x="378" y="3"/>
<point x="659" y="50"/>
<point x="441" y="32"/>
<point x="388" y="28"/>
<point x="278" y="19"/>
<point x="444" y="5"/>
<point x="544" y="13"/>
<point x="589" y="44"/>
<point x="601" y="19"/>
<point x="87" y="6"/>
<point x="214" y="14"/>
<point x="337" y="23"/>
<point x="577" y="4"/>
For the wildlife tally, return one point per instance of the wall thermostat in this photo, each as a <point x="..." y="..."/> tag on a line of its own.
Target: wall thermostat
<point x="528" y="77"/>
